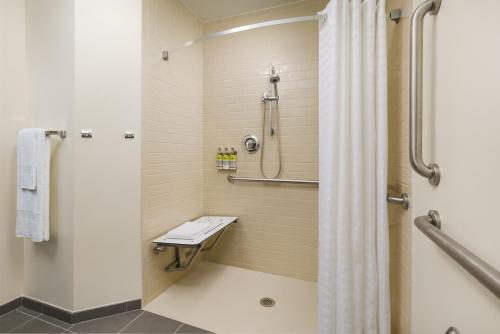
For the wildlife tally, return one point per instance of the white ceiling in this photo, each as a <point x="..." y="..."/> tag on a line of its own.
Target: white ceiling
<point x="211" y="10"/>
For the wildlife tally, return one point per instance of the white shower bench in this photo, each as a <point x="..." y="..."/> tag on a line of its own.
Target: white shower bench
<point x="197" y="245"/>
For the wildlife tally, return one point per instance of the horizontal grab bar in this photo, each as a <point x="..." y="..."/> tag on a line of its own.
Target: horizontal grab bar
<point x="401" y="200"/>
<point x="488" y="276"/>
<point x="232" y="179"/>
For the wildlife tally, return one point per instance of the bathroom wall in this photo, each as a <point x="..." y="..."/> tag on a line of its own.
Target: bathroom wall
<point x="172" y="149"/>
<point x="277" y="230"/>
<point x="50" y="94"/>
<point x="83" y="64"/>
<point x="399" y="169"/>
<point x="460" y="121"/>
<point x="14" y="116"/>
<point x="107" y="67"/>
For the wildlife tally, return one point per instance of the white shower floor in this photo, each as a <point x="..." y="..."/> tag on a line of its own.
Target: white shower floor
<point x="225" y="299"/>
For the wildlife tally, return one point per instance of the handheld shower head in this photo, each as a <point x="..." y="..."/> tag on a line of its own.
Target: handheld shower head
<point x="274" y="76"/>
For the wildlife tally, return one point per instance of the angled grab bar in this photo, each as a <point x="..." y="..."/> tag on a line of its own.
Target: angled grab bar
<point x="431" y="171"/>
<point x="488" y="276"/>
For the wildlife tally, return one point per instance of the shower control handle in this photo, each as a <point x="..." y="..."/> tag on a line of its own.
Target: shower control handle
<point x="251" y="143"/>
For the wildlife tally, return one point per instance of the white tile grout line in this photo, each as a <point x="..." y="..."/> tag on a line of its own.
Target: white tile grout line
<point x="108" y="316"/>
<point x="53" y="324"/>
<point x="182" y="324"/>
<point x="31" y="315"/>
<point x="38" y="317"/>
<point x="3" y="315"/>
<point x="24" y="323"/>
<point x="121" y="330"/>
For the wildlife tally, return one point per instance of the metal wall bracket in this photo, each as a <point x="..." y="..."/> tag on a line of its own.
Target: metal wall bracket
<point x="402" y="200"/>
<point x="129" y="135"/>
<point x="434" y="218"/>
<point x="395" y="15"/>
<point x="86" y="133"/>
<point x="177" y="265"/>
<point x="60" y="133"/>
<point x="436" y="5"/>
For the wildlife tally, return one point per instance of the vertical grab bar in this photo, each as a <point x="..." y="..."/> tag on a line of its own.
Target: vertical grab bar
<point x="431" y="171"/>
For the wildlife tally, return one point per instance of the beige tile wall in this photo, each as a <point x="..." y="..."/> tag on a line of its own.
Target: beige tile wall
<point x="399" y="169"/>
<point x="277" y="231"/>
<point x="172" y="175"/>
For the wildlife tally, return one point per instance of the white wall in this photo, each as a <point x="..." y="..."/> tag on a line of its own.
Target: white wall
<point x="13" y="116"/>
<point x="461" y="122"/>
<point x="84" y="72"/>
<point x="107" y="167"/>
<point x="50" y="91"/>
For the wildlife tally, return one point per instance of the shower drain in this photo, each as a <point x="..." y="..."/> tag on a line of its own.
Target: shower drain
<point x="267" y="302"/>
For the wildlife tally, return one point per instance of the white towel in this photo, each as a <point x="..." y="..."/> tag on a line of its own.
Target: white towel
<point x="27" y="159"/>
<point x="189" y="230"/>
<point x="32" y="219"/>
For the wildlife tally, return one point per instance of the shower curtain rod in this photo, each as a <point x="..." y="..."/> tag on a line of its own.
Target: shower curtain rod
<point x="166" y="54"/>
<point x="394" y="15"/>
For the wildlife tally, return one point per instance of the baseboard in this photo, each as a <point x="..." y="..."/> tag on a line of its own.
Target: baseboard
<point x="11" y="306"/>
<point x="67" y="316"/>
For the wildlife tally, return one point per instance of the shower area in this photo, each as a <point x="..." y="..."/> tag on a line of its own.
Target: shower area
<point x="261" y="83"/>
<point x="253" y="90"/>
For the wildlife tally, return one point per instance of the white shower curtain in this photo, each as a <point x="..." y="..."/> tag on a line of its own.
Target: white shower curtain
<point x="353" y="228"/>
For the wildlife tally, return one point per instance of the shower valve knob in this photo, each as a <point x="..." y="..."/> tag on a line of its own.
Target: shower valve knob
<point x="251" y="143"/>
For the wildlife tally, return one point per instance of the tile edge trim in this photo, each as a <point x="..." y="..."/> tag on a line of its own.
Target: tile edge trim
<point x="67" y="316"/>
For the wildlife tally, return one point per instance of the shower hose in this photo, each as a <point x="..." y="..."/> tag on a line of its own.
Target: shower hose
<point x="278" y="135"/>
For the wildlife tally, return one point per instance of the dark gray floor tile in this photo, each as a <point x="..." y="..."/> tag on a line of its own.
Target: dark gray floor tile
<point x="187" y="329"/>
<point x="38" y="326"/>
<point x="28" y="311"/>
<point x="55" y="321"/>
<point x="11" y="306"/>
<point x="152" y="323"/>
<point x="111" y="324"/>
<point x="12" y="319"/>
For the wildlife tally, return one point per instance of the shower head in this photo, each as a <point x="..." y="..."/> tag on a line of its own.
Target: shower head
<point x="274" y="76"/>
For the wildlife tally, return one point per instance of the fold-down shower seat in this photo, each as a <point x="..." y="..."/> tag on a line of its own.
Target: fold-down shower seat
<point x="200" y="243"/>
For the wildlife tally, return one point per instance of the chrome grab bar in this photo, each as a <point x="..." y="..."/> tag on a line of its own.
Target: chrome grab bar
<point x="232" y="179"/>
<point x="401" y="200"/>
<point x="488" y="276"/>
<point x="431" y="171"/>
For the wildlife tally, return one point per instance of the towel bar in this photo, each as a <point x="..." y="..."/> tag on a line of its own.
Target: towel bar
<point x="60" y="133"/>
